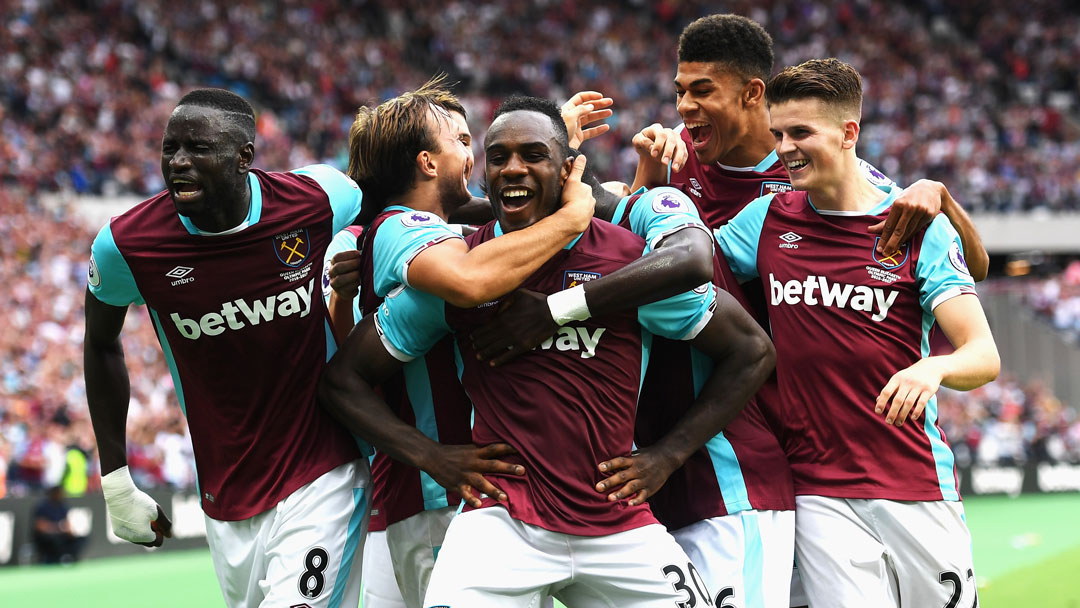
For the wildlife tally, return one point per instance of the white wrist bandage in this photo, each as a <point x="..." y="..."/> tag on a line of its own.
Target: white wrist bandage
<point x="569" y="305"/>
<point x="130" y="509"/>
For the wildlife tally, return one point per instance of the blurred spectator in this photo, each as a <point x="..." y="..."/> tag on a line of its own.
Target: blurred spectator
<point x="1058" y="298"/>
<point x="980" y="95"/>
<point x="53" y="540"/>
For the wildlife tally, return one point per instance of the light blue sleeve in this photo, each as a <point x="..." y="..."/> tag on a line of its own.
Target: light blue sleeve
<point x="109" y="277"/>
<point x="410" y="323"/>
<point x="661" y="212"/>
<point x="344" y="194"/>
<point x="342" y="241"/>
<point x="400" y="239"/>
<point x="739" y="238"/>
<point x="682" y="316"/>
<point x="941" y="271"/>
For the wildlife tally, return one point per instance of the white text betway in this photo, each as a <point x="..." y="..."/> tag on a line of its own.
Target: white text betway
<point x="575" y="339"/>
<point x="238" y="314"/>
<point x="815" y="290"/>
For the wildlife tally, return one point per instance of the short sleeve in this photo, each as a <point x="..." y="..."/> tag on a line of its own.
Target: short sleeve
<point x="941" y="270"/>
<point x="344" y="194"/>
<point x="661" y="212"/>
<point x="410" y="323"/>
<point x="680" y="317"/>
<point x="739" y="238"/>
<point x="400" y="238"/>
<point x="109" y="276"/>
<point x="344" y="240"/>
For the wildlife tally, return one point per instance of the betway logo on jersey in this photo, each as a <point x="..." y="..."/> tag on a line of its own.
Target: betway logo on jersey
<point x="817" y="290"/>
<point x="239" y="313"/>
<point x="575" y="339"/>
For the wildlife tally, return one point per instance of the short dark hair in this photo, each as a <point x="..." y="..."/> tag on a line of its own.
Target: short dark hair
<point x="832" y="81"/>
<point x="740" y="44"/>
<point x="384" y="140"/>
<point x="546" y="107"/>
<point x="238" y="112"/>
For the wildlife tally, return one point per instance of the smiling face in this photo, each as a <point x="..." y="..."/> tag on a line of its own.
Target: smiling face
<point x="811" y="140"/>
<point x="524" y="167"/>
<point x="205" y="161"/>
<point x="710" y="101"/>
<point x="454" y="158"/>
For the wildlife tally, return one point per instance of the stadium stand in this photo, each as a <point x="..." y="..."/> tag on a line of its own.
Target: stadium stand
<point x="957" y="91"/>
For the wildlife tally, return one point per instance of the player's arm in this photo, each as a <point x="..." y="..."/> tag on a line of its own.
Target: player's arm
<point x="744" y="357"/>
<point x="135" y="516"/>
<point x="973" y="363"/>
<point x="345" y="391"/>
<point x="917" y="206"/>
<point x="659" y="150"/>
<point x="469" y="277"/>
<point x="680" y="262"/>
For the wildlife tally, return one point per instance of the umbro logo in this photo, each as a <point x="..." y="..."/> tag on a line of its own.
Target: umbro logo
<point x="789" y="239"/>
<point x="180" y="273"/>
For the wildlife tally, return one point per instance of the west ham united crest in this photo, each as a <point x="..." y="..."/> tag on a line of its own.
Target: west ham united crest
<point x="292" y="247"/>
<point x="890" y="260"/>
<point x="775" y="188"/>
<point x="573" y="278"/>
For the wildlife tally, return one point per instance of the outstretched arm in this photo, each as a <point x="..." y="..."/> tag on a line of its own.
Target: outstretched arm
<point x="680" y="262"/>
<point x="135" y="516"/>
<point x="744" y="357"/>
<point x="345" y="391"/>
<point x="469" y="277"/>
<point x="916" y="207"/>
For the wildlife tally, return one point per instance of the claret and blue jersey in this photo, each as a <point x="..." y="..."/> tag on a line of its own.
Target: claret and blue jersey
<point x="570" y="403"/>
<point x="241" y="321"/>
<point x="844" y="319"/>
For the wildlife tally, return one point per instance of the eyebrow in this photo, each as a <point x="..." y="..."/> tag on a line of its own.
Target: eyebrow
<point x="705" y="80"/>
<point x="532" y="145"/>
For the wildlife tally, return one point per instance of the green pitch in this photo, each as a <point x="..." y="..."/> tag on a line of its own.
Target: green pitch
<point x="1027" y="553"/>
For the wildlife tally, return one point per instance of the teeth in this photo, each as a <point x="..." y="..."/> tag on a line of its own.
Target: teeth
<point x="515" y="193"/>
<point x="695" y="125"/>
<point x="797" y="164"/>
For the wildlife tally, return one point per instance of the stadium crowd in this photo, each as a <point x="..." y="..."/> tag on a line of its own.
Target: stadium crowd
<point x="967" y="93"/>
<point x="1057" y="298"/>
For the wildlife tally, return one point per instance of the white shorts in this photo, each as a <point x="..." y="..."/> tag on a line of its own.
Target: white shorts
<point x="380" y="587"/>
<point x="305" y="550"/>
<point x="872" y="552"/>
<point x="414" y="543"/>
<point x="745" y="558"/>
<point x="491" y="560"/>
<point x="798" y="593"/>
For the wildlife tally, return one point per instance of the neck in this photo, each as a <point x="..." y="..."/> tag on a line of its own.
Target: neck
<point x="228" y="216"/>
<point x="850" y="193"/>
<point x="754" y="145"/>
<point x="424" y="197"/>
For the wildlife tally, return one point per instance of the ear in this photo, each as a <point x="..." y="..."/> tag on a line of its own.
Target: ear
<point x="246" y="156"/>
<point x="753" y="93"/>
<point x="426" y="165"/>
<point x="851" y="134"/>
<point x="564" y="173"/>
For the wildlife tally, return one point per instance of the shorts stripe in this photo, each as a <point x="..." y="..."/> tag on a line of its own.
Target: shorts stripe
<point x="352" y="543"/>
<point x="753" y="562"/>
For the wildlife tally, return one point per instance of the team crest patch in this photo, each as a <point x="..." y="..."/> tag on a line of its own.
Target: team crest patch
<point x="873" y="174"/>
<point x="668" y="203"/>
<point x="775" y="188"/>
<point x="956" y="258"/>
<point x="326" y="278"/>
<point x="412" y="219"/>
<point x="92" y="276"/>
<point x="895" y="260"/>
<point x="573" y="278"/>
<point x="292" y="247"/>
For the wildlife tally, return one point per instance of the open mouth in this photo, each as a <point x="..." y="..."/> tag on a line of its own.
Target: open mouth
<point x="796" y="166"/>
<point x="514" y="198"/>
<point x="184" y="189"/>
<point x="700" y="134"/>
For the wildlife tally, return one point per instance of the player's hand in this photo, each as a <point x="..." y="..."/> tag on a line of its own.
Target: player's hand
<point x="908" y="391"/>
<point x="662" y="147"/>
<point x="345" y="274"/>
<point x="135" y="516"/>
<point x="462" y="468"/>
<point x="916" y="207"/>
<point x="586" y="108"/>
<point x="522" y="323"/>
<point x="639" y="475"/>
<point x="578" y="203"/>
